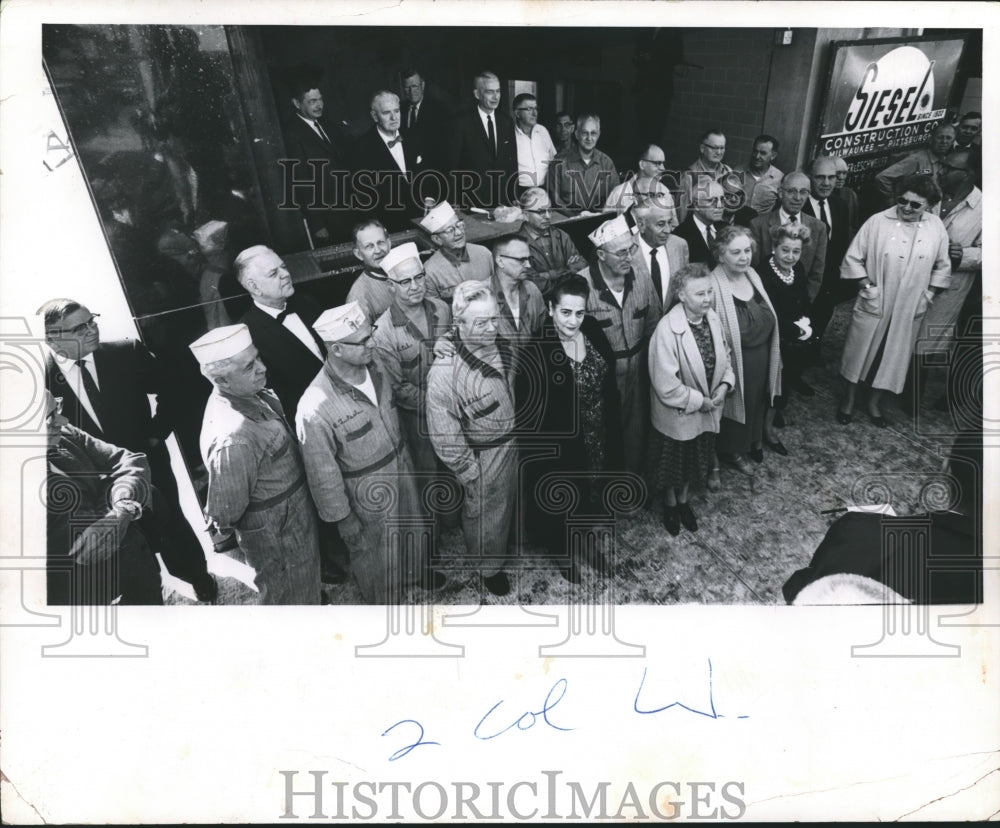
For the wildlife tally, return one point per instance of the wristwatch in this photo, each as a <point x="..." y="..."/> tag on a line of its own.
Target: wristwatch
<point x="133" y="508"/>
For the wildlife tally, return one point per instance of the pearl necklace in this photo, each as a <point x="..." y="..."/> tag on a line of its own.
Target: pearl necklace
<point x="787" y="279"/>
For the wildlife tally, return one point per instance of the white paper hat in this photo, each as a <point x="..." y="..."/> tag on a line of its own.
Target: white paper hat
<point x="398" y="255"/>
<point x="437" y="218"/>
<point x="221" y="343"/>
<point x="336" y="323"/>
<point x="610" y="230"/>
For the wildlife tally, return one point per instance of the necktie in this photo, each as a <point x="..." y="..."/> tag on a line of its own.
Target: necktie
<point x="322" y="132"/>
<point x="411" y="117"/>
<point x="794" y="220"/>
<point x="654" y="271"/>
<point x="397" y="140"/>
<point x="492" y="133"/>
<point x="90" y="386"/>
<point x="822" y="213"/>
<point x="710" y="236"/>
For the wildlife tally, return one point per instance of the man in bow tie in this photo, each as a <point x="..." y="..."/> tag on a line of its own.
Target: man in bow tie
<point x="383" y="164"/>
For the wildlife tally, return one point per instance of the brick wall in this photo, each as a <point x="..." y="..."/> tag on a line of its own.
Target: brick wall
<point x="727" y="91"/>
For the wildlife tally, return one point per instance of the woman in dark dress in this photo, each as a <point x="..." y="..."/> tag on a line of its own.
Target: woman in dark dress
<point x="784" y="280"/>
<point x="567" y="400"/>
<point x="751" y="328"/>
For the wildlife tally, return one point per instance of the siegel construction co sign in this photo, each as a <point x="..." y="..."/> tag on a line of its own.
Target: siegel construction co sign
<point x="885" y="97"/>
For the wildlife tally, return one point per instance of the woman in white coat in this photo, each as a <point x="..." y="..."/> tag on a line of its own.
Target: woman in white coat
<point x="690" y="377"/>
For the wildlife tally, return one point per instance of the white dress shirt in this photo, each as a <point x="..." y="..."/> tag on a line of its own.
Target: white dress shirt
<point x="71" y="371"/>
<point x="661" y="258"/>
<point x="395" y="151"/>
<point x="823" y="215"/>
<point x="534" y="154"/>
<point x="295" y="326"/>
<point x="786" y="218"/>
<point x="703" y="229"/>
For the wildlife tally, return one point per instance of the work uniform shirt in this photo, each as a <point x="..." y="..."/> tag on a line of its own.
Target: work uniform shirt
<point x="530" y="313"/>
<point x="372" y="292"/>
<point x="578" y="185"/>
<point x="552" y="254"/>
<point x="257" y="486"/>
<point x="445" y="272"/>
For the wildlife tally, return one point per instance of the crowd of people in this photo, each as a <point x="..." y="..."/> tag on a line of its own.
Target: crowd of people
<point x="503" y="389"/>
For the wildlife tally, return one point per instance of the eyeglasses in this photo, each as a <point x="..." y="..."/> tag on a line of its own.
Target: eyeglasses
<point x="363" y="342"/>
<point x="77" y="330"/>
<point x="545" y="211"/>
<point x="527" y="109"/>
<point x="714" y="147"/>
<point x="913" y="205"/>
<point x="524" y="260"/>
<point x="627" y="253"/>
<point x="656" y="163"/>
<point x="454" y="229"/>
<point x="795" y="192"/>
<point x="407" y="283"/>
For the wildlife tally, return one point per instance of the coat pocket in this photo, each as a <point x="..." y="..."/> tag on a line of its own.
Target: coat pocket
<point x="482" y="412"/>
<point x="358" y="433"/>
<point x="639" y="313"/>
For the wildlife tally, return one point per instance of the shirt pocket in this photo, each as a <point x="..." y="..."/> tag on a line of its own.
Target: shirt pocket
<point x="640" y="313"/>
<point x="484" y="411"/>
<point x="358" y="433"/>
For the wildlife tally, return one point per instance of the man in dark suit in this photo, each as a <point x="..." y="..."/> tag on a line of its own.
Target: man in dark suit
<point x="698" y="229"/>
<point x="105" y="389"/>
<point x="826" y="205"/>
<point x="792" y="197"/>
<point x="322" y="148"/>
<point x="281" y="326"/>
<point x="484" y="151"/>
<point x="425" y="123"/>
<point x="383" y="165"/>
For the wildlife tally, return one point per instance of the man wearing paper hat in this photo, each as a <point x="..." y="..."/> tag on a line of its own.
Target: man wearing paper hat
<point x="470" y="417"/>
<point x="454" y="261"/>
<point x="370" y="289"/>
<point x="280" y="324"/>
<point x="405" y="336"/>
<point x="359" y="469"/>
<point x="626" y="306"/>
<point x="256" y="480"/>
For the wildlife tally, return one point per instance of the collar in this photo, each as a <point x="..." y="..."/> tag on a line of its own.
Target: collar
<point x="272" y="312"/>
<point x="702" y="227"/>
<point x="253" y="408"/>
<point x="399" y="318"/>
<point x="784" y="217"/>
<point x="384" y="139"/>
<point x="451" y="257"/>
<point x="371" y="274"/>
<point x="972" y="200"/>
<point x="484" y="368"/>
<point x="646" y="247"/>
<point x="347" y="388"/>
<point x="310" y="122"/>
<point x="533" y="234"/>
<point x="598" y="279"/>
<point x="66" y="364"/>
<point x="484" y="115"/>
<point x="501" y="296"/>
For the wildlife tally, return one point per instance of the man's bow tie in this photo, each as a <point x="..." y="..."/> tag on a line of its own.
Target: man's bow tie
<point x="397" y="140"/>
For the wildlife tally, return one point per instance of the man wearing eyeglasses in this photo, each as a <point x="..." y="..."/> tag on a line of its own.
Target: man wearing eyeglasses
<point x="627" y="310"/>
<point x="793" y="195"/>
<point x="106" y="388"/>
<point x="520" y="307"/>
<point x="359" y="468"/>
<point x="552" y="250"/>
<point x="454" y="261"/>
<point x="96" y="553"/>
<point x="535" y="149"/>
<point x="646" y="185"/>
<point x="699" y="228"/>
<point x="582" y="177"/>
<point x="404" y="337"/>
<point x="712" y="150"/>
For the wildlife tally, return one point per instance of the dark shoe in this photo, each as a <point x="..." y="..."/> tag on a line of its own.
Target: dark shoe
<point x="206" y="588"/>
<point x="878" y="420"/>
<point x="498" y="584"/>
<point x="334" y="576"/>
<point x="756" y="454"/>
<point x="777" y="447"/>
<point x="672" y="520"/>
<point x="432" y="579"/>
<point x="713" y="483"/>
<point x="845" y="417"/>
<point x="687" y="517"/>
<point x="738" y="462"/>
<point x="779" y="419"/>
<point x="803" y="388"/>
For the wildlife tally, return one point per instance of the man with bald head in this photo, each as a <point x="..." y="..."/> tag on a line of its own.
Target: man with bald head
<point x="582" y="177"/>
<point x="825" y="204"/>
<point x="698" y="229"/>
<point x="484" y="150"/>
<point x="644" y="185"/>
<point x="660" y="253"/>
<point x="383" y="165"/>
<point x="793" y="194"/>
<point x="280" y="323"/>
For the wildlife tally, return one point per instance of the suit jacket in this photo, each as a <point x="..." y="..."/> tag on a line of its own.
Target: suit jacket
<point x="302" y="143"/>
<point x="378" y="180"/>
<point x="471" y="152"/>
<point x="698" y="252"/>
<point x="127" y="374"/>
<point x="291" y="366"/>
<point x="813" y="254"/>
<point x="431" y="135"/>
<point x="840" y="234"/>
<point x="677" y="257"/>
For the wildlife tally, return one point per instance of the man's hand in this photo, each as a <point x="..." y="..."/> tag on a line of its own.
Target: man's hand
<point x="444" y="348"/>
<point x="99" y="541"/>
<point x="350" y="529"/>
<point x="955" y="254"/>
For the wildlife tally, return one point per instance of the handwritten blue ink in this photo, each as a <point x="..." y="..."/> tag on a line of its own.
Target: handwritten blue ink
<point x="711" y="701"/>
<point x="528" y="719"/>
<point x="399" y="754"/>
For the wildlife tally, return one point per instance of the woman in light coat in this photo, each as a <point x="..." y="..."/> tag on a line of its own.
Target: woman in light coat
<point x="690" y="376"/>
